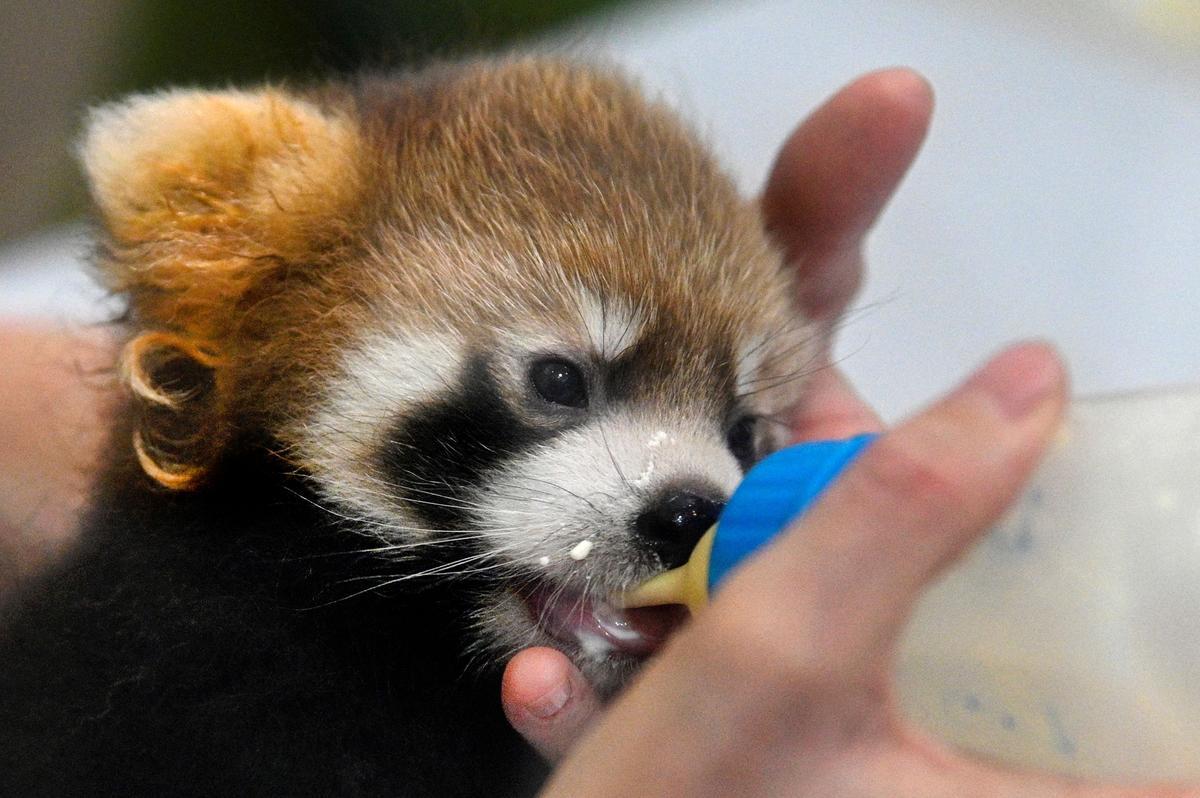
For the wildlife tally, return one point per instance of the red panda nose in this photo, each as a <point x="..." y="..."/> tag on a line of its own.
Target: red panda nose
<point x="674" y="523"/>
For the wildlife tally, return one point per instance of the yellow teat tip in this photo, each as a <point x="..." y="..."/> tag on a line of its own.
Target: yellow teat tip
<point x="687" y="584"/>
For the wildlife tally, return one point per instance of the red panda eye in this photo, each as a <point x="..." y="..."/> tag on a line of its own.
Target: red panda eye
<point x="740" y="439"/>
<point x="559" y="382"/>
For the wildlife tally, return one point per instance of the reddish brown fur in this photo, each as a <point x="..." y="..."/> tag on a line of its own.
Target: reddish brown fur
<point x="253" y="232"/>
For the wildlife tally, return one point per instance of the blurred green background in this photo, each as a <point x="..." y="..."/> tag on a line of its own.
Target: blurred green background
<point x="58" y="56"/>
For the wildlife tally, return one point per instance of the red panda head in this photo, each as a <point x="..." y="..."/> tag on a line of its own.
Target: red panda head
<point x="512" y="312"/>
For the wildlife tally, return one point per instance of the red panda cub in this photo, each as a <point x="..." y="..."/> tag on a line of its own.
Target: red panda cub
<point x="420" y="369"/>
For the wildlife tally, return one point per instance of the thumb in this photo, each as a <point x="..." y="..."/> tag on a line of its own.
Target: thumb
<point x="547" y="700"/>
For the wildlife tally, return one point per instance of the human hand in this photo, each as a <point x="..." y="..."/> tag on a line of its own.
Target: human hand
<point x="783" y="685"/>
<point x="829" y="184"/>
<point x="50" y="436"/>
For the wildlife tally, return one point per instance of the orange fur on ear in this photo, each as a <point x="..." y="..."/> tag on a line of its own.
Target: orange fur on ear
<point x="202" y="195"/>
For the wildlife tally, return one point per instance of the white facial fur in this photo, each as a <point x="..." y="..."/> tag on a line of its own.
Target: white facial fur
<point x="610" y="326"/>
<point x="382" y="376"/>
<point x="561" y="510"/>
<point x="591" y="482"/>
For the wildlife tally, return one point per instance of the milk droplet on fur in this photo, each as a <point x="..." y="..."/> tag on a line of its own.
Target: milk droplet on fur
<point x="653" y="443"/>
<point x="543" y="560"/>
<point x="644" y="478"/>
<point x="582" y="549"/>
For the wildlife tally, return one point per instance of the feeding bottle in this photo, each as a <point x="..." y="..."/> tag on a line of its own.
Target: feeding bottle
<point x="1068" y="639"/>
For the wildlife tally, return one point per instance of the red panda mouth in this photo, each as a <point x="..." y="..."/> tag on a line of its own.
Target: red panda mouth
<point x="598" y="628"/>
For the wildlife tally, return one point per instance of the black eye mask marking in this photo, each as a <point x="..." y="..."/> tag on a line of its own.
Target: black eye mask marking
<point x="441" y="452"/>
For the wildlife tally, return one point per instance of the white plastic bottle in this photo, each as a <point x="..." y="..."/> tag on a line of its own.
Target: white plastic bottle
<point x="1068" y="640"/>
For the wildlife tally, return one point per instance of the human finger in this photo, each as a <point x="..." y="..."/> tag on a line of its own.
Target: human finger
<point x="831" y="409"/>
<point x="849" y="571"/>
<point x="834" y="175"/>
<point x="547" y="700"/>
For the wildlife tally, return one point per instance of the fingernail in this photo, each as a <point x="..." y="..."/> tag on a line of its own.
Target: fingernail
<point x="1021" y="379"/>
<point x="552" y="702"/>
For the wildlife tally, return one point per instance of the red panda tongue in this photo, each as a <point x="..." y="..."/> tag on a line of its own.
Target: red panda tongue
<point x="599" y="628"/>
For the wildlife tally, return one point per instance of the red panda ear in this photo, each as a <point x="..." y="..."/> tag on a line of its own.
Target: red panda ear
<point x="178" y="428"/>
<point x="202" y="196"/>
<point x="199" y="191"/>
